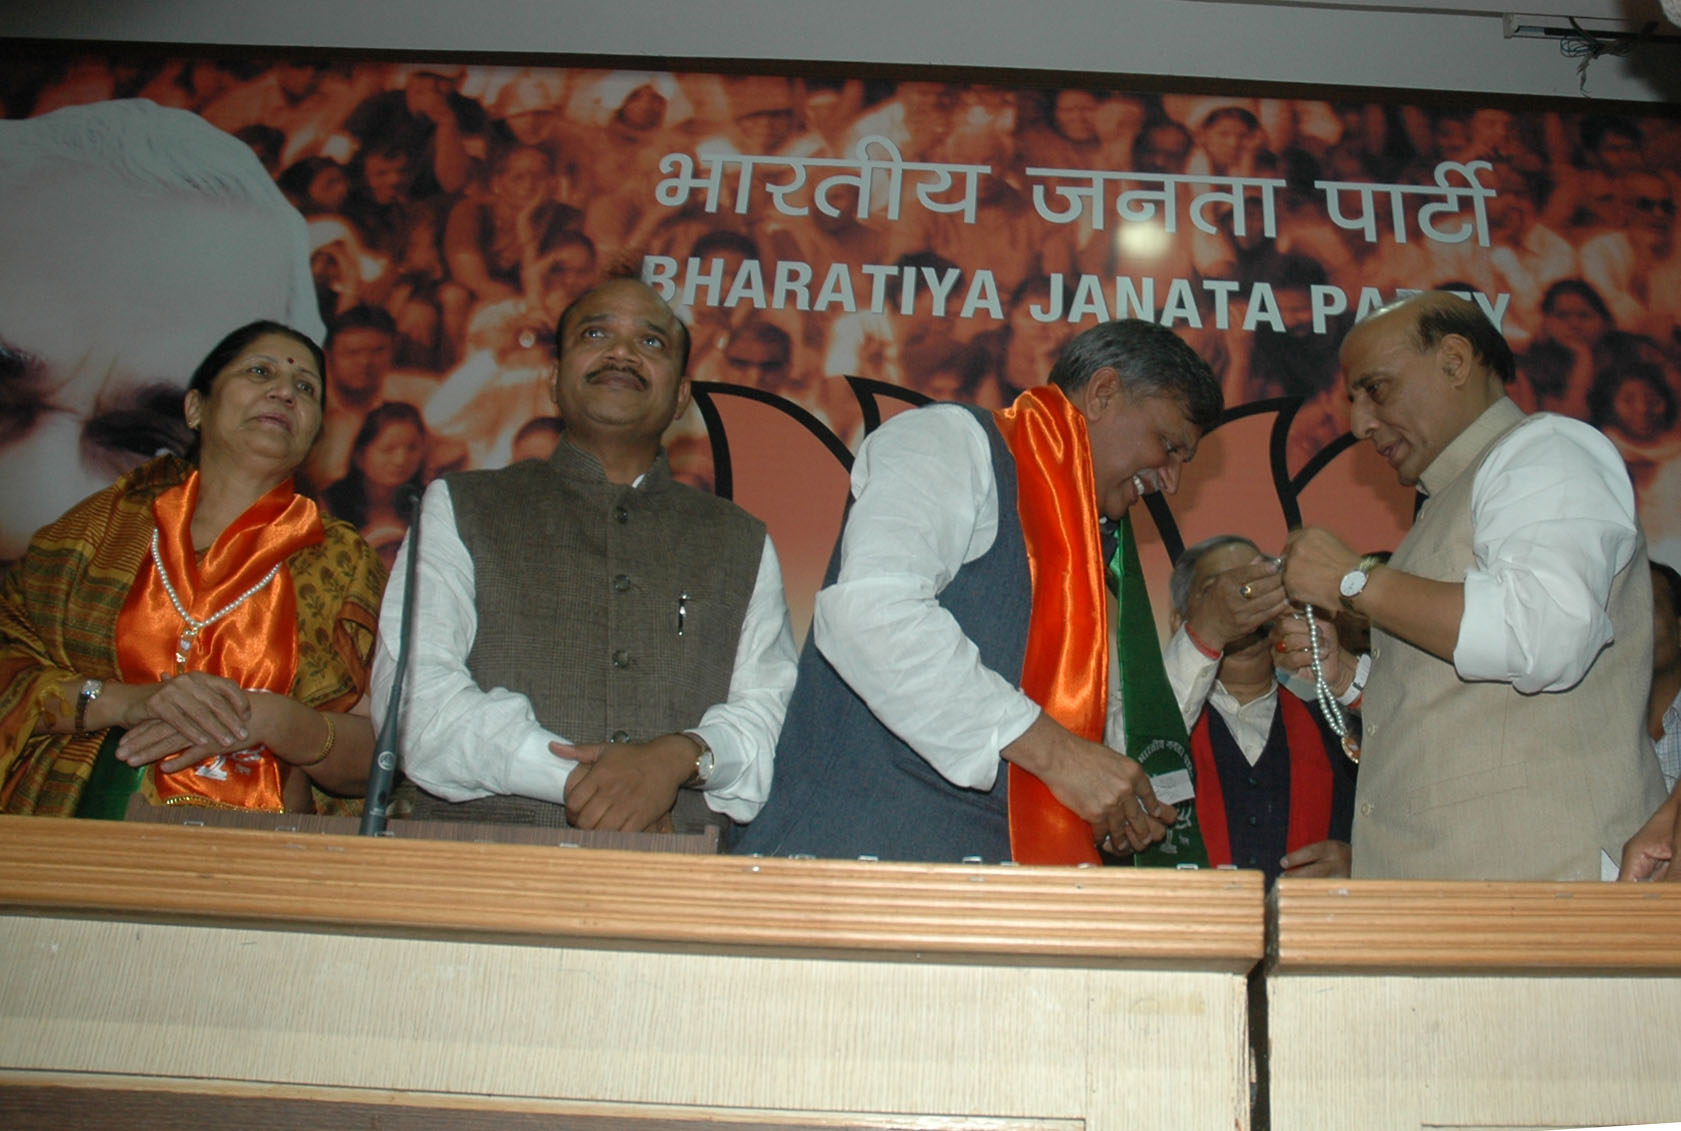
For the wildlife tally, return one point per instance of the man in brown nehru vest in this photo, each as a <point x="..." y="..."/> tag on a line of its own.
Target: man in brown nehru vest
<point x="594" y="644"/>
<point x="1511" y="630"/>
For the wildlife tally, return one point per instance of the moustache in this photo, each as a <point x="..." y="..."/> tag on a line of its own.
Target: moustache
<point x="599" y="371"/>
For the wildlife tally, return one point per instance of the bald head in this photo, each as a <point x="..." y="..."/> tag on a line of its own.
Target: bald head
<point x="1435" y="314"/>
<point x="1418" y="373"/>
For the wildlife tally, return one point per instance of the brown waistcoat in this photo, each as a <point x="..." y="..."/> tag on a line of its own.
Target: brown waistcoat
<point x="614" y="609"/>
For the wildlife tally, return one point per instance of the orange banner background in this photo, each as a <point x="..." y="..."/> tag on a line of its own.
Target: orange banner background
<point x="841" y="249"/>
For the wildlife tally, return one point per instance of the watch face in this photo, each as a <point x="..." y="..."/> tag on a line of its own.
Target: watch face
<point x="1352" y="582"/>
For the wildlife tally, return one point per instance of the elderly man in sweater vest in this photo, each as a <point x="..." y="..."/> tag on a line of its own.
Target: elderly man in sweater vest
<point x="595" y="644"/>
<point x="1511" y="630"/>
<point x="1274" y="790"/>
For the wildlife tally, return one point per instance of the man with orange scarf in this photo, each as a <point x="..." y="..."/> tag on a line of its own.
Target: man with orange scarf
<point x="957" y="698"/>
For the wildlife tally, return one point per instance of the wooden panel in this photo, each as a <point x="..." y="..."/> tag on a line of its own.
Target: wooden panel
<point x="1110" y="1046"/>
<point x="1437" y="928"/>
<point x="1398" y="1006"/>
<point x="501" y="974"/>
<point x="1398" y="1053"/>
<point x="517" y="893"/>
<point x="140" y="809"/>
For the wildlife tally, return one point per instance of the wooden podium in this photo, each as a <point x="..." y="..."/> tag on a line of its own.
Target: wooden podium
<point x="1473" y="1005"/>
<point x="164" y="976"/>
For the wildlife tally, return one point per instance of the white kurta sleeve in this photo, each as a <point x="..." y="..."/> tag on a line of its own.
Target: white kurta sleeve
<point x="1191" y="672"/>
<point x="742" y="731"/>
<point x="1553" y="522"/>
<point x="457" y="741"/>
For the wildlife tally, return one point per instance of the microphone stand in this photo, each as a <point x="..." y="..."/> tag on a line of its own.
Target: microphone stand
<point x="383" y="774"/>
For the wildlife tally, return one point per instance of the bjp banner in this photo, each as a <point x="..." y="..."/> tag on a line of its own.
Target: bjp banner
<point x="840" y="248"/>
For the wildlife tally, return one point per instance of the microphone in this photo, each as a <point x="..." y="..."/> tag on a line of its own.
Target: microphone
<point x="383" y="774"/>
<point x="407" y="503"/>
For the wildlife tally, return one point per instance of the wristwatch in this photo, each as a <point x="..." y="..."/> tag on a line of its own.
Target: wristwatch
<point x="705" y="762"/>
<point x="1354" y="581"/>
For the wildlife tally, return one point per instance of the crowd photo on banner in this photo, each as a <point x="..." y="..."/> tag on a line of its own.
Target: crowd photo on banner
<point x="943" y="238"/>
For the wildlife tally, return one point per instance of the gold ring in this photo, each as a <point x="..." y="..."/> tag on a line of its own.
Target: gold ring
<point x="1246" y="591"/>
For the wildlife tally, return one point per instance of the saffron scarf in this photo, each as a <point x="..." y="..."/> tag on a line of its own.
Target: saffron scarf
<point x="59" y="605"/>
<point x="1065" y="669"/>
<point x="255" y="645"/>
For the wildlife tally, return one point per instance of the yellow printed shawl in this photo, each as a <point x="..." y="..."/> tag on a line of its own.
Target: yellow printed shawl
<point x="58" y="615"/>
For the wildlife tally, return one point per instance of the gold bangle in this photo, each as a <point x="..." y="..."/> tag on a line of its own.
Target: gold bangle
<point x="327" y="748"/>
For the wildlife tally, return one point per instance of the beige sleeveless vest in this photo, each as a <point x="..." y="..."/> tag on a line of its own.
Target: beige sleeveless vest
<point x="1474" y="780"/>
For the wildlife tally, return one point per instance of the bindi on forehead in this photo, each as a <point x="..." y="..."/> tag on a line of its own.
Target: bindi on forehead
<point x="302" y="365"/>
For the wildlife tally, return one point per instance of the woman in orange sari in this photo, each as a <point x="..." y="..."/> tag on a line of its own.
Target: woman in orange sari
<point x="197" y="633"/>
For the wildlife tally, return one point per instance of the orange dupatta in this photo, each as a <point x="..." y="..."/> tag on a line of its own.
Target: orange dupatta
<point x="1066" y="668"/>
<point x="256" y="645"/>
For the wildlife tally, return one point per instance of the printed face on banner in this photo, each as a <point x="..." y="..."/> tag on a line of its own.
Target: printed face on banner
<point x="109" y="298"/>
<point x="1639" y="408"/>
<point x="360" y="357"/>
<point x="1573" y="320"/>
<point x="760" y="360"/>
<point x="393" y="455"/>
<point x="1649" y="208"/>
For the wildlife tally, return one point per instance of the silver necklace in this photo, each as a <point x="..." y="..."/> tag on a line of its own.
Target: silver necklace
<point x="184" y="644"/>
<point x="1328" y="705"/>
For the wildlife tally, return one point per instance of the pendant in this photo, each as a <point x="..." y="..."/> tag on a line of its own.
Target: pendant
<point x="184" y="645"/>
<point x="1351" y="748"/>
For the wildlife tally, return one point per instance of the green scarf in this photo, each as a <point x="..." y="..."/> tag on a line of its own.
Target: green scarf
<point x="1155" y="729"/>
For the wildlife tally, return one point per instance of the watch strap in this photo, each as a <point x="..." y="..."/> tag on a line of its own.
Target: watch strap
<point x="705" y="761"/>
<point x="89" y="692"/>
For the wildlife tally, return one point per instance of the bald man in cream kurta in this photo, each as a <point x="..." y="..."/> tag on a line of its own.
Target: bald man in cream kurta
<point x="1504" y="731"/>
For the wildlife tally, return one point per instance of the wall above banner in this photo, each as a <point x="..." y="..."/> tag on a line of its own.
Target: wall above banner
<point x="1457" y="47"/>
